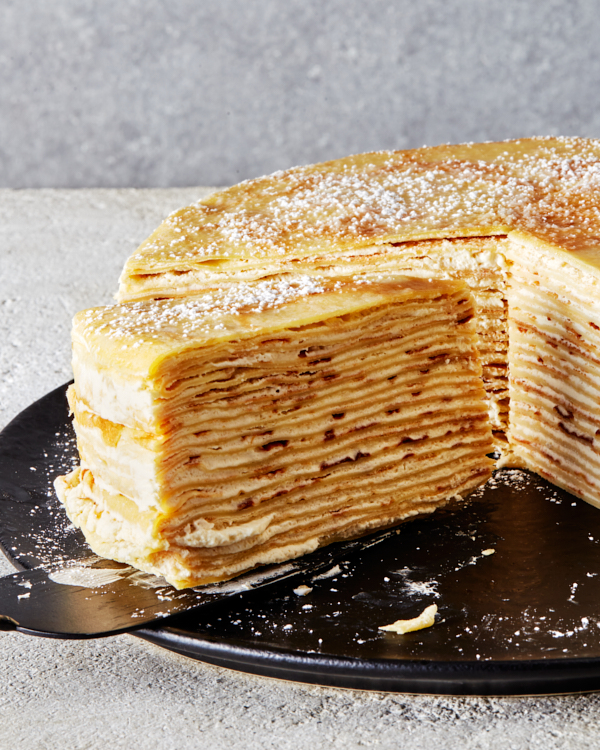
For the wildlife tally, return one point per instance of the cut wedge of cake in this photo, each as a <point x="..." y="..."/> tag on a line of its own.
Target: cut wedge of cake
<point x="253" y="424"/>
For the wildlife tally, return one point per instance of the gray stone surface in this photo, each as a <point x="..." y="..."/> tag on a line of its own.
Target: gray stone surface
<point x="149" y="93"/>
<point x="61" y="251"/>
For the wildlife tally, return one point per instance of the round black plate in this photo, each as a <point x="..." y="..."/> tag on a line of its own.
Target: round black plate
<point x="523" y="620"/>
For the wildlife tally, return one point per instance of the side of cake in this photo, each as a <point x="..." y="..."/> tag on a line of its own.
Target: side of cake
<point x="254" y="424"/>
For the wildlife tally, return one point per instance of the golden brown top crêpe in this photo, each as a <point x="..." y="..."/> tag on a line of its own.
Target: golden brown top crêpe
<point x="547" y="188"/>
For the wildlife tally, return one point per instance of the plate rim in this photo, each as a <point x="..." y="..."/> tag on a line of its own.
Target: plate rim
<point x="418" y="676"/>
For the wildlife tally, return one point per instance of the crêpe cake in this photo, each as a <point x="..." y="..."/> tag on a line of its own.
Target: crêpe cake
<point x="253" y="424"/>
<point x="518" y="221"/>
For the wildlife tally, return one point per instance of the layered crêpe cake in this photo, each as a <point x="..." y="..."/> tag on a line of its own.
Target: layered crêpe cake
<point x="254" y="424"/>
<point x="277" y="463"/>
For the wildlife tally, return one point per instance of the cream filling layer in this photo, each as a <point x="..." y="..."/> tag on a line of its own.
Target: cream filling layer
<point x="126" y="401"/>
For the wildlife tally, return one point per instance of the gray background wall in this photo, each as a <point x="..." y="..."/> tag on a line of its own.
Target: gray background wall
<point x="187" y="92"/>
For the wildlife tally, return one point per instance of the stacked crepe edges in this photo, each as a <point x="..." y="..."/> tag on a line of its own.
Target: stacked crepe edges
<point x="242" y="420"/>
<point x="253" y="424"/>
<point x="554" y="360"/>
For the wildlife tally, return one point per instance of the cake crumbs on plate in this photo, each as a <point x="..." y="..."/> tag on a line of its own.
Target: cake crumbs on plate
<point x="425" y="620"/>
<point x="302" y="590"/>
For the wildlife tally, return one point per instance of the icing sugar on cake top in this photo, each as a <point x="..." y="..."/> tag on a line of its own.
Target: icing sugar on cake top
<point x="545" y="187"/>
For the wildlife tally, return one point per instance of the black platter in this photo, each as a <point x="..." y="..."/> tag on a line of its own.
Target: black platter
<point x="524" y="620"/>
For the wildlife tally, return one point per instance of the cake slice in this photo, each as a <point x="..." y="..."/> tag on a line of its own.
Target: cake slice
<point x="253" y="424"/>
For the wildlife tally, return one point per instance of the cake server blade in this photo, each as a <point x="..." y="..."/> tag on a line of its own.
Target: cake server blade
<point x="105" y="598"/>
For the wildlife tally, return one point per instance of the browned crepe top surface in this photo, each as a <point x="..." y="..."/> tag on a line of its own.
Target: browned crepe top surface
<point x="545" y="187"/>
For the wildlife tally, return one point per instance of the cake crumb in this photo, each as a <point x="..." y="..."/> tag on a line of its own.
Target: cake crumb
<point x="425" y="620"/>
<point x="487" y="552"/>
<point x="336" y="570"/>
<point x="302" y="590"/>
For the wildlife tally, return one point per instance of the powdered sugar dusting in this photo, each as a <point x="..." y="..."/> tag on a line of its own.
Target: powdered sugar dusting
<point x="199" y="314"/>
<point x="546" y="186"/>
<point x="417" y="588"/>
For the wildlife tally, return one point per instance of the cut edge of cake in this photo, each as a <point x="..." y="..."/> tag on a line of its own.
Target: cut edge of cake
<point x="350" y="408"/>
